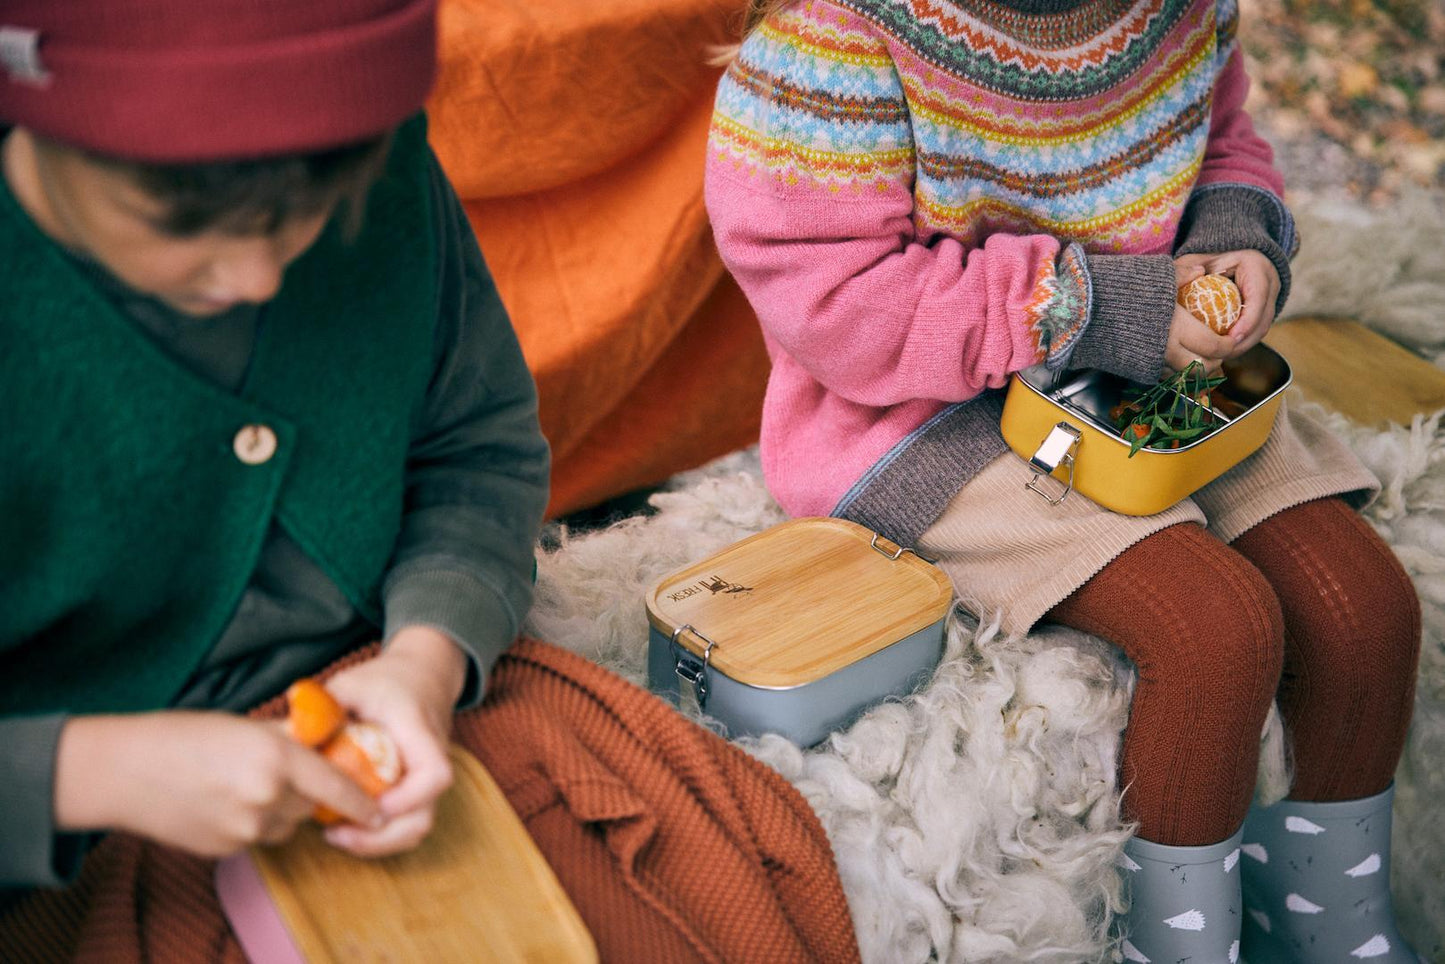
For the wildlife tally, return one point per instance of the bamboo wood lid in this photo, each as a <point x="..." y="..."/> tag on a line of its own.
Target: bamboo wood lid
<point x="799" y="601"/>
<point x="476" y="889"/>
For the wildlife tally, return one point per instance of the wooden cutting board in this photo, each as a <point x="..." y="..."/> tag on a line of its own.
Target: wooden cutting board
<point x="476" y="890"/>
<point x="1358" y="372"/>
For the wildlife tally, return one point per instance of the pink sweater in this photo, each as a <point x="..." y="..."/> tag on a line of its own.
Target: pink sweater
<point x="921" y="197"/>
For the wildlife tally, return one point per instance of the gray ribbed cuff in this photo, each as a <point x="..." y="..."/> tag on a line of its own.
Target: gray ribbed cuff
<point x="1240" y="217"/>
<point x="32" y="853"/>
<point x="1133" y="306"/>
<point x="464" y="608"/>
<point x="908" y="489"/>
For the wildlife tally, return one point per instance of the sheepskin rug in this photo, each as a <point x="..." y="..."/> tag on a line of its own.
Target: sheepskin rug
<point x="978" y="818"/>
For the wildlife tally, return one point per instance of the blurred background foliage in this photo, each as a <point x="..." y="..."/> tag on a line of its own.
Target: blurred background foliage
<point x="1350" y="92"/>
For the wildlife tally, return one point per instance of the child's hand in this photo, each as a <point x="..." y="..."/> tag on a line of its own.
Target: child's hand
<point x="1189" y="338"/>
<point x="410" y="691"/>
<point x="1258" y="283"/>
<point x="208" y="783"/>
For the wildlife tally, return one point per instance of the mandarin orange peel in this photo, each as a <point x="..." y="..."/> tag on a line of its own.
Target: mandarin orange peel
<point x="363" y="751"/>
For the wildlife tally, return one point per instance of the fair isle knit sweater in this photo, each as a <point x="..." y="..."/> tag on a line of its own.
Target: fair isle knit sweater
<point x="920" y="197"/>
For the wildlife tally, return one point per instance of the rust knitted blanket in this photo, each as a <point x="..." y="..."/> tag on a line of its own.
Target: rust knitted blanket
<point x="673" y="844"/>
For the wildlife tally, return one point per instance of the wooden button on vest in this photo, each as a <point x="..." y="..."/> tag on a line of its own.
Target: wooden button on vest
<point x="254" y="444"/>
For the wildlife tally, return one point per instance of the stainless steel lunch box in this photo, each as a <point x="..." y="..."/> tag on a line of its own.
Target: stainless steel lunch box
<point x="797" y="629"/>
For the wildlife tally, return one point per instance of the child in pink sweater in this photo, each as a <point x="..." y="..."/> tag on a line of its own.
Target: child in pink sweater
<point x="921" y="197"/>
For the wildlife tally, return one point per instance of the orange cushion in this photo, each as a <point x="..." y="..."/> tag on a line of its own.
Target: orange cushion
<point x="574" y="133"/>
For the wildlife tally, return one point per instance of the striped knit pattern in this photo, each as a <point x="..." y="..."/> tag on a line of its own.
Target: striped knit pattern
<point x="1088" y="126"/>
<point x="921" y="197"/>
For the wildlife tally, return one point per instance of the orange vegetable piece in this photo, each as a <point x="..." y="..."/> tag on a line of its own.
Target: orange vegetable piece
<point x="313" y="716"/>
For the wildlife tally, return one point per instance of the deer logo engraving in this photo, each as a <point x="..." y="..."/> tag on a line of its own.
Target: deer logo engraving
<point x="717" y="584"/>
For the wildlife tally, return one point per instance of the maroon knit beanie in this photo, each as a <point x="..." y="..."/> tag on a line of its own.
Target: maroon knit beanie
<point x="203" y="80"/>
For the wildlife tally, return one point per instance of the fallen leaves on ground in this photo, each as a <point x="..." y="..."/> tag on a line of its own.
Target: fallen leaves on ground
<point x="1367" y="75"/>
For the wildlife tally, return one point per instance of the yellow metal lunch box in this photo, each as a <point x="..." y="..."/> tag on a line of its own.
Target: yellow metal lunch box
<point x="1064" y="430"/>
<point x="797" y="629"/>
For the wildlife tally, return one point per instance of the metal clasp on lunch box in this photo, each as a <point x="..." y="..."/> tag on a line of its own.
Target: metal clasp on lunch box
<point x="1057" y="449"/>
<point x="687" y="666"/>
<point x="890" y="556"/>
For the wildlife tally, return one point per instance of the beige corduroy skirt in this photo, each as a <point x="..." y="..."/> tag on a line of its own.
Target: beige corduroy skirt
<point x="1010" y="552"/>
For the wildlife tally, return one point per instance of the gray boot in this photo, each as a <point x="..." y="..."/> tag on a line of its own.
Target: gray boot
<point x="1184" y="903"/>
<point x="1317" y="884"/>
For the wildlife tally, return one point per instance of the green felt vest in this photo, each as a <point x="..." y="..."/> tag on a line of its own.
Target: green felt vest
<point x="129" y="527"/>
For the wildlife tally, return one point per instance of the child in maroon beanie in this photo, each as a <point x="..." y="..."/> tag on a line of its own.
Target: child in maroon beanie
<point x="260" y="405"/>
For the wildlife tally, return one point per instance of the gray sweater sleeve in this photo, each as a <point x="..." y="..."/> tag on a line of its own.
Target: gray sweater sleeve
<point x="477" y="482"/>
<point x="1238" y="217"/>
<point x="1131" y="297"/>
<point x="1131" y="304"/>
<point x="31" y="852"/>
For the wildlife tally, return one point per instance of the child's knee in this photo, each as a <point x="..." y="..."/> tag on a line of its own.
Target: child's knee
<point x="1361" y="640"/>
<point x="1388" y="645"/>
<point x="1233" y="660"/>
<point x="1370" y="660"/>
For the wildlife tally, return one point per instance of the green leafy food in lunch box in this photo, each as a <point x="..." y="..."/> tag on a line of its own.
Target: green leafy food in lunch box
<point x="1181" y="408"/>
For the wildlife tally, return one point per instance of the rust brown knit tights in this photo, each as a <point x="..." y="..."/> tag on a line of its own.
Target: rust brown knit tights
<point x="1310" y="606"/>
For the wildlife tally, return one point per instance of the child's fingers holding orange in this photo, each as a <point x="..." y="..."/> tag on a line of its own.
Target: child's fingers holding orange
<point x="284" y="817"/>
<point x="1192" y="340"/>
<point x="398" y="834"/>
<point x="1259" y="286"/>
<point x="427" y="771"/>
<point x="1188" y="267"/>
<point x="319" y="781"/>
<point x="1248" y="332"/>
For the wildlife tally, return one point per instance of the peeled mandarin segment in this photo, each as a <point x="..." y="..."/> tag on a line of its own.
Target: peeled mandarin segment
<point x="367" y="754"/>
<point x="313" y="716"/>
<point x="1214" y="300"/>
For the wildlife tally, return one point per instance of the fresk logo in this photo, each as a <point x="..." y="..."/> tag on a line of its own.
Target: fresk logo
<point x="713" y="584"/>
